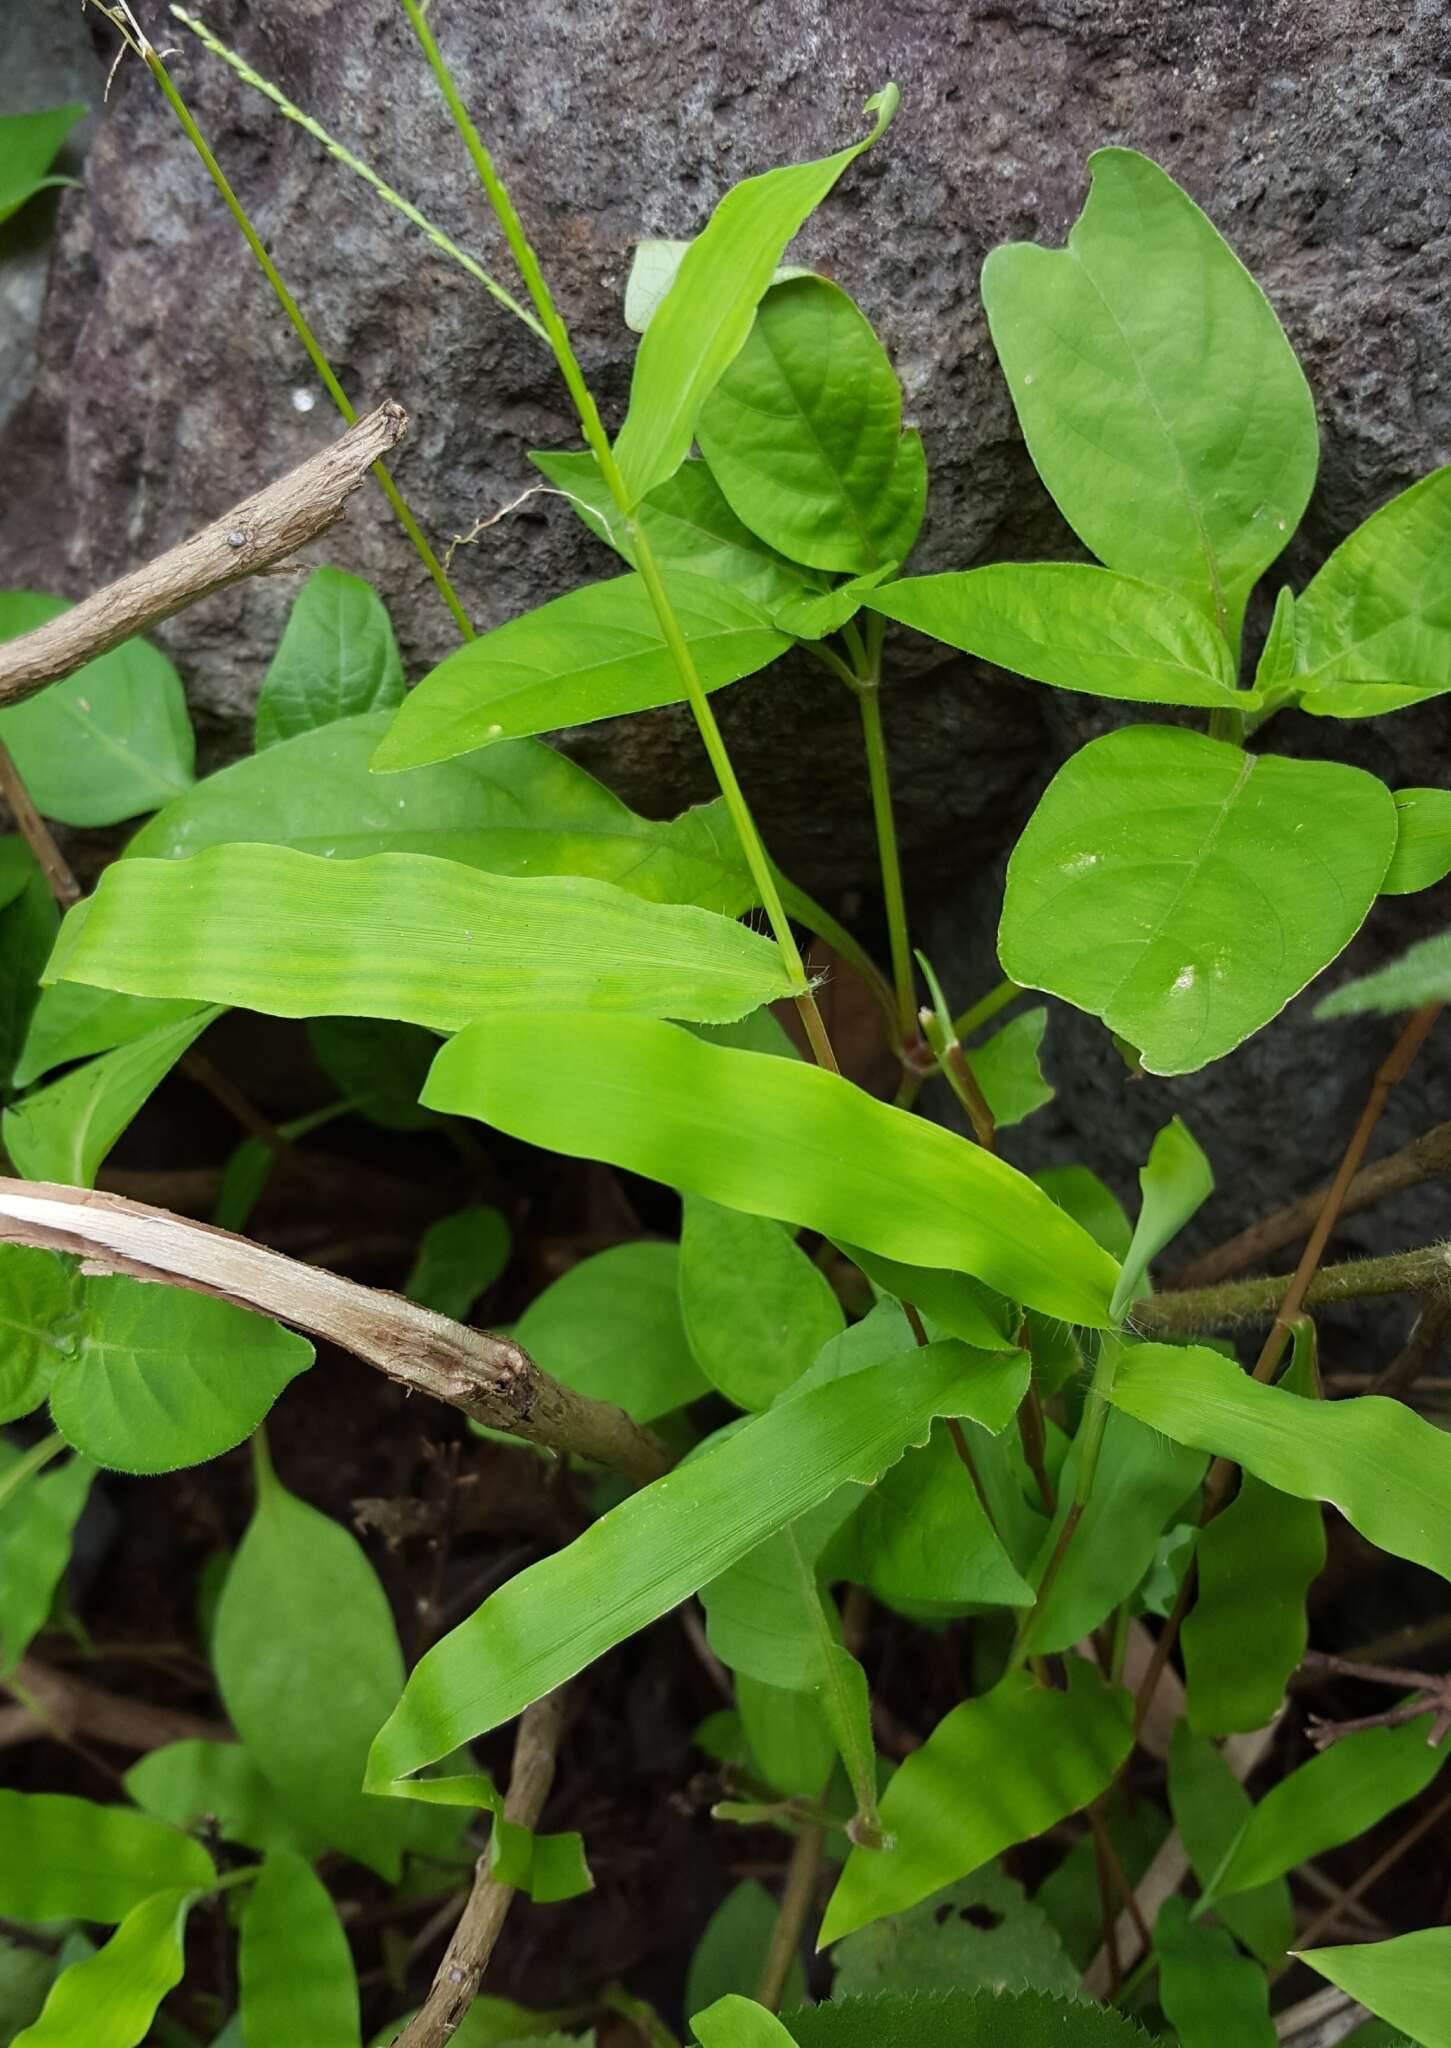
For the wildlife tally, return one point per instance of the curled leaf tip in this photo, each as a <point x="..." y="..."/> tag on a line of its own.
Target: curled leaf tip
<point x="884" y="105"/>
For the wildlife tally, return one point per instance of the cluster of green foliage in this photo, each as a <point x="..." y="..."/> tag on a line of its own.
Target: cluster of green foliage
<point x="475" y="928"/>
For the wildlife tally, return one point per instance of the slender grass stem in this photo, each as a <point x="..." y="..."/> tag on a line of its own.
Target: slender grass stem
<point x="890" y="857"/>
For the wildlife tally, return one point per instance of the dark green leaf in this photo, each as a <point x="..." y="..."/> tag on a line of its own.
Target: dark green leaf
<point x="1210" y="1991"/>
<point x="610" y="1327"/>
<point x="64" y="1131"/>
<point x="1373" y="628"/>
<point x="756" y="1309"/>
<point x="378" y="1065"/>
<point x="1406" y="1980"/>
<point x="1007" y="1070"/>
<point x="1247" y="1630"/>
<point x="1423" y="841"/>
<point x="63" y="1858"/>
<point x="1070" y="1895"/>
<point x="460" y="1258"/>
<point x="982" y="1931"/>
<point x="337" y="658"/>
<point x="299" y="1988"/>
<point x="37" y="1523"/>
<point x="28" y="922"/>
<point x="28" y="144"/>
<point x="729" y="1955"/>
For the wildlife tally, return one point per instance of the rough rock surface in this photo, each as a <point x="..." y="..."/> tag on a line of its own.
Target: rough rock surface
<point x="1311" y="130"/>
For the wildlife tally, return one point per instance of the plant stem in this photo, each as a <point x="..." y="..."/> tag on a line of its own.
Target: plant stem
<point x="306" y="336"/>
<point x="797" y="1894"/>
<point x="1239" y="1303"/>
<point x="985" y="1009"/>
<point x="869" y="699"/>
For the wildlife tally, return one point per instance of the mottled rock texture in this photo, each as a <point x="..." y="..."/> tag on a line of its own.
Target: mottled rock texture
<point x="1311" y="130"/>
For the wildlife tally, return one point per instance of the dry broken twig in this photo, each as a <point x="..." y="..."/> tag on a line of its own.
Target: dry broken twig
<point x="488" y="1377"/>
<point x="262" y="530"/>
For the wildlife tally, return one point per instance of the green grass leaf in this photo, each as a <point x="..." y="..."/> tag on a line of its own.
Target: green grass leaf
<point x="705" y="317"/>
<point x="1182" y="891"/>
<point x="337" y="658"/>
<point x="1211" y="1993"/>
<point x="28" y="145"/>
<point x="110" y="1999"/>
<point x="1247" y="1629"/>
<point x="595" y="653"/>
<point x="70" y="1859"/>
<point x="772" y="1137"/>
<point x="108" y="742"/>
<point x="1406" y="1980"/>
<point x="610" y="1327"/>
<point x="37" y="1523"/>
<point x="296" y="1970"/>
<point x="1162" y="404"/>
<point x="1423" y="841"/>
<point x="1421" y="975"/>
<point x="751" y="1341"/>
<point x="1373" y="627"/>
<point x="403" y="936"/>
<point x="1075" y="627"/>
<point x="665" y="1542"/>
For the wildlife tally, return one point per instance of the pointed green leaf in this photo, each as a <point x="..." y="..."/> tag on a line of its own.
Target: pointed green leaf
<point x="194" y="1784"/>
<point x="981" y="1931"/>
<point x="665" y="1542"/>
<point x="756" y="1309"/>
<point x="1211" y="1992"/>
<point x="595" y="653"/>
<point x="110" y="1999"/>
<point x="459" y="1258"/>
<point x="610" y="1328"/>
<point x="952" y="2019"/>
<point x="70" y="1859"/>
<point x="1210" y="1808"/>
<point x="1247" y="1629"/>
<point x="772" y="1137"/>
<point x="1175" y="1182"/>
<point x="960" y="1306"/>
<point x="403" y="936"/>
<point x="1080" y="1191"/>
<point x="37" y="1523"/>
<point x="1127" y="893"/>
<point x="1007" y="1069"/>
<point x="736" y="2022"/>
<point x="1076" y="627"/>
<point x="997" y="1770"/>
<point x="1373" y="628"/>
<point x="336" y="659"/>
<point x="299" y="1987"/>
<point x="706" y="315"/>
<point x="378" y="1065"/>
<point x="1387" y="1470"/>
<point x="1162" y="404"/>
<point x="1406" y="1980"/>
<point x="654" y="268"/>
<point x="1421" y="975"/>
<point x="1423" y="841"/>
<point x="38" y="1299"/>
<point x="1274" y="679"/>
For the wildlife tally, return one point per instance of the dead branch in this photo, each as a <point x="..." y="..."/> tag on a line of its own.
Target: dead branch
<point x="65" y="1703"/>
<point x="254" y="535"/>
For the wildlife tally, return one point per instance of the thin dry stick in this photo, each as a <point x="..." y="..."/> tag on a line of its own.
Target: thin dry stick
<point x="82" y="1709"/>
<point x="802" y="1875"/>
<point x="485" y="1376"/>
<point x="456" y="1983"/>
<point x="1421" y="1350"/>
<point x="36" y="833"/>
<point x="1377" y="1870"/>
<point x="262" y="530"/>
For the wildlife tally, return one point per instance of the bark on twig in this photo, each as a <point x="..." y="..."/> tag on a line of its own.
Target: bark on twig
<point x="489" y="1378"/>
<point x="75" y="1707"/>
<point x="36" y="833"/>
<point x="456" y="1983"/>
<point x="262" y="530"/>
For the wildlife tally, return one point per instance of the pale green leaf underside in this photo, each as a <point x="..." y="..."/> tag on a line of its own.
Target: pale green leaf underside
<point x="404" y="936"/>
<point x="1182" y="891"/>
<point x="1421" y="975"/>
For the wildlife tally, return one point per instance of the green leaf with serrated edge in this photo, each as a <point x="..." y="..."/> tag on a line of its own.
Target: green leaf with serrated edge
<point x="28" y="145"/>
<point x="951" y="2019"/>
<point x="108" y="742"/>
<point x="298" y="1984"/>
<point x="110" y="1999"/>
<point x="1210" y="1991"/>
<point x="983" y="1930"/>
<point x="336" y="659"/>
<point x="756" y="1309"/>
<point x="654" y="268"/>
<point x="736" y="2022"/>
<point x="70" y="1022"/>
<point x="1070" y="1894"/>
<point x="772" y="1137"/>
<point x="610" y="1328"/>
<point x="28" y="923"/>
<point x="1161" y="403"/>
<point x="1421" y="975"/>
<point x="1210" y="1808"/>
<point x="159" y="1377"/>
<point x="1387" y="1470"/>
<point x="303" y="1618"/>
<point x="1183" y="891"/>
<point x="194" y="1782"/>
<point x="1406" y="1980"/>
<point x="920" y="1539"/>
<point x="788" y="1744"/>
<point x="1075" y="627"/>
<point x="993" y="1772"/>
<point x="1080" y="1191"/>
<point x="404" y="936"/>
<point x="1174" y="1182"/>
<point x="665" y="1542"/>
<point x="1329" y="1800"/>
<point x="802" y="431"/>
<point x="64" y="1131"/>
<point x="37" y="1523"/>
<point x="1006" y="1069"/>
<point x="38" y="1306"/>
<point x="513" y="810"/>
<point x="1423" y="841"/>
<point x="1373" y="627"/>
<point x="378" y="1065"/>
<point x="706" y="315"/>
<point x="1141" y="1482"/>
<point x="597" y="652"/>
<point x="688" y="523"/>
<point x="1247" y="1629"/>
<point x="729" y="1955"/>
<point x="64" y="1858"/>
<point x="459" y="1258"/>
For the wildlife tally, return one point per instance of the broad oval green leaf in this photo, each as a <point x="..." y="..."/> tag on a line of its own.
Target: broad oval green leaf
<point x="404" y="936"/>
<point x="217" y="1784"/>
<point x="704" y="318"/>
<point x="28" y="143"/>
<point x="1421" y="975"/>
<point x="610" y="1328"/>
<point x="802" y="432"/>
<point x="665" y="1542"/>
<point x="788" y="1745"/>
<point x="993" y="1772"/>
<point x="1247" y="1630"/>
<point x="1182" y="891"/>
<point x="299" y="1987"/>
<point x="772" y="1137"/>
<point x="1387" y="1470"/>
<point x="1160" y="400"/>
<point x="110" y="741"/>
<point x="1210" y="1992"/>
<point x="756" y="1309"/>
<point x="158" y="1377"/>
<point x="460" y="1257"/>
<point x="110" y="1999"/>
<point x="595" y="653"/>
<point x="1076" y="627"/>
<point x="38" y="1305"/>
<point x="37" y="1523"/>
<point x="1373" y="627"/>
<point x="1423" y="841"/>
<point x="70" y="1859"/>
<point x="1406" y="1980"/>
<point x="337" y="658"/>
